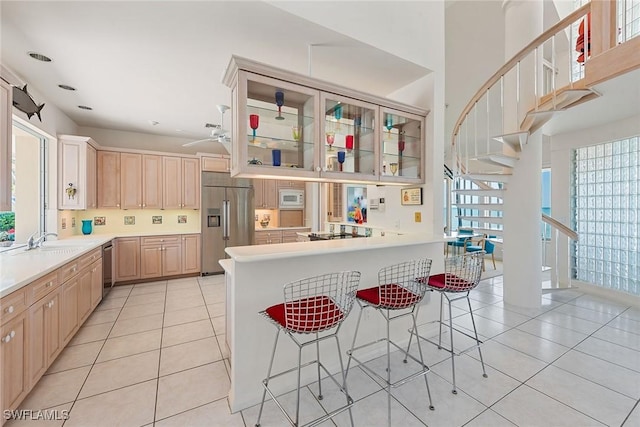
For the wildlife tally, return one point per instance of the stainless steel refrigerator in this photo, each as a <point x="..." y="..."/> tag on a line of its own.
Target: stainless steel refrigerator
<point x="227" y="217"/>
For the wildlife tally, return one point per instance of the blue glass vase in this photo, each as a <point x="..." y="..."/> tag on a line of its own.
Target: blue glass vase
<point x="86" y="226"/>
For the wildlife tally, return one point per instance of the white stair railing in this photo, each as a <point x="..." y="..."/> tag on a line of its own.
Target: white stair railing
<point x="560" y="231"/>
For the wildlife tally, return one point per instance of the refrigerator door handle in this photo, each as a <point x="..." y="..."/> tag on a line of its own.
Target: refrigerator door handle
<point x="225" y="216"/>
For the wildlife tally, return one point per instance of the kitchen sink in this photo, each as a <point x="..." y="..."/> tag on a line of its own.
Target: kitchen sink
<point x="50" y="250"/>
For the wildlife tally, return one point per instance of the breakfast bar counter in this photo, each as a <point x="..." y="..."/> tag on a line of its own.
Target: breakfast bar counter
<point x="255" y="276"/>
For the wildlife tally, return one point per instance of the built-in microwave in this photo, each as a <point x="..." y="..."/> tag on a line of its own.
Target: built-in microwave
<point x="291" y="199"/>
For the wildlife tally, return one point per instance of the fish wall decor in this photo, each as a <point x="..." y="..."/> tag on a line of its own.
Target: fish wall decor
<point x="25" y="103"/>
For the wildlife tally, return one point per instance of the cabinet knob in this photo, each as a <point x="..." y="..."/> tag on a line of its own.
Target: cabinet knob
<point x="144" y="205"/>
<point x="9" y="336"/>
<point x="9" y="309"/>
<point x="73" y="269"/>
<point x="118" y="205"/>
<point x="49" y="284"/>
<point x="140" y="205"/>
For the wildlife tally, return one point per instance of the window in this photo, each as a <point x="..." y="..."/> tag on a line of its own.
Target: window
<point x="546" y="202"/>
<point x="28" y="186"/>
<point x="606" y="195"/>
<point x="628" y="19"/>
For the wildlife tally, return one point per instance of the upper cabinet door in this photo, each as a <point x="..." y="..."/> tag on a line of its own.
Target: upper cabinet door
<point x="172" y="183"/>
<point x="348" y="139"/>
<point x="276" y="127"/>
<point x="401" y="147"/>
<point x="108" y="179"/>
<point x="131" y="177"/>
<point x="190" y="183"/>
<point x="76" y="173"/>
<point x="151" y="181"/>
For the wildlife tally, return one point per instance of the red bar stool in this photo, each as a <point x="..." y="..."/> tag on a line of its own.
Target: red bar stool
<point x="400" y="289"/>
<point x="461" y="276"/>
<point x="312" y="305"/>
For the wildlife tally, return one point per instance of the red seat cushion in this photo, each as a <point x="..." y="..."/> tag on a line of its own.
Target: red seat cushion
<point x="390" y="296"/>
<point x="449" y="282"/>
<point x="313" y="314"/>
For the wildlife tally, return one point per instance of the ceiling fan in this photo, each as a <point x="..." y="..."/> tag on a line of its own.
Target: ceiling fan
<point x="218" y="134"/>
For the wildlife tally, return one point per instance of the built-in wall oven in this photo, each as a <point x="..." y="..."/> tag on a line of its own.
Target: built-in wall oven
<point x="107" y="267"/>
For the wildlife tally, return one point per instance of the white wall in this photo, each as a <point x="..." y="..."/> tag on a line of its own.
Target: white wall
<point x="474" y="46"/>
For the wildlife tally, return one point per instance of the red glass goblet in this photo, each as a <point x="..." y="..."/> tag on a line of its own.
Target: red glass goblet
<point x="254" y="120"/>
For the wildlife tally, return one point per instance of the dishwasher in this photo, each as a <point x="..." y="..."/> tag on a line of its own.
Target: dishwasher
<point x="107" y="268"/>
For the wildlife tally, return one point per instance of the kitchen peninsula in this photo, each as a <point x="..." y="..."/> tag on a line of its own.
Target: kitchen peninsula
<point x="255" y="277"/>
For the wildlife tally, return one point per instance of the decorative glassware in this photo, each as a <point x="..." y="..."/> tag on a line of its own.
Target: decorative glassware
<point x="388" y="123"/>
<point x="87" y="226"/>
<point x="400" y="147"/>
<point x="254" y="120"/>
<point x="331" y="138"/>
<point x="349" y="143"/>
<point x="295" y="131"/>
<point x="276" y="157"/>
<point x="279" y="103"/>
<point x="393" y="167"/>
<point x="341" y="156"/>
<point x="337" y="113"/>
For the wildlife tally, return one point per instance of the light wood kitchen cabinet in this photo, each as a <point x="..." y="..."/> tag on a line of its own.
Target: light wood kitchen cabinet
<point x="268" y="237"/>
<point x="290" y="185"/>
<point x="96" y="283"/>
<point x="84" y="294"/>
<point x="190" y="183"/>
<point x="190" y="253"/>
<point x="76" y="172"/>
<point x="69" y="296"/>
<point x="265" y="194"/>
<point x="130" y="181"/>
<point x="151" y="181"/>
<point x="108" y="179"/>
<point x="160" y="256"/>
<point x="289" y="236"/>
<point x="45" y="340"/>
<point x="39" y="319"/>
<point x="216" y="163"/>
<point x="127" y="258"/>
<point x="13" y="360"/>
<point x="335" y="206"/>
<point x="181" y="184"/>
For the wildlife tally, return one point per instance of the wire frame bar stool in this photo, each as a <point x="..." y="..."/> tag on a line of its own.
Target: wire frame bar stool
<point x="312" y="305"/>
<point x="461" y="276"/>
<point x="400" y="289"/>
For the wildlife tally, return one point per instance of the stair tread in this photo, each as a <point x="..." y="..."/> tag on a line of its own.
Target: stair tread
<point x="499" y="159"/>
<point x="515" y="140"/>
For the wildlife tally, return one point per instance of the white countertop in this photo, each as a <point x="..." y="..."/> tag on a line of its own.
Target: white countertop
<point x="19" y="267"/>
<point x="286" y="250"/>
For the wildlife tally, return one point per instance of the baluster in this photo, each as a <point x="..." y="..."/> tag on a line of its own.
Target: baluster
<point x="535" y="78"/>
<point x="553" y="70"/>
<point x="488" y="110"/>
<point x="475" y="130"/>
<point x="518" y="96"/>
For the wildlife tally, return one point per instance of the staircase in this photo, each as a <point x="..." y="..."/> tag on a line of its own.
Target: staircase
<point x="488" y="146"/>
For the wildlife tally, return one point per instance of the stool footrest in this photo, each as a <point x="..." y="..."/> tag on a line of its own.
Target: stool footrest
<point x="317" y="420"/>
<point x="425" y="369"/>
<point x="442" y="347"/>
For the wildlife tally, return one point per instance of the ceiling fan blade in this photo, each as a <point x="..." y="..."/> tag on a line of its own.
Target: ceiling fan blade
<point x="188" y="144"/>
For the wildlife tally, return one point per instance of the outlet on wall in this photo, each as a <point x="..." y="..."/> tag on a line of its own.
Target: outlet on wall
<point x="417" y="216"/>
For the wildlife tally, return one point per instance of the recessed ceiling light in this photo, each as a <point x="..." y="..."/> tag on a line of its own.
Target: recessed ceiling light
<point x="153" y="122"/>
<point x="84" y="107"/>
<point x="66" y="87"/>
<point x="39" y="56"/>
<point x="178" y="130"/>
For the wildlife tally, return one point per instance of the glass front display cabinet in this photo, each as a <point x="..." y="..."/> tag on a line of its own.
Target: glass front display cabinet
<point x="289" y="126"/>
<point x="348" y="138"/>
<point x="401" y="146"/>
<point x="275" y="127"/>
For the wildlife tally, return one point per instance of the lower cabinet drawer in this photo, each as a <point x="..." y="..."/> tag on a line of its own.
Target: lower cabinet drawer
<point x="41" y="287"/>
<point x="12" y="305"/>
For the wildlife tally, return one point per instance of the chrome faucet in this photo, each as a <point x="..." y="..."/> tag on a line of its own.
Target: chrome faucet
<point x="35" y="242"/>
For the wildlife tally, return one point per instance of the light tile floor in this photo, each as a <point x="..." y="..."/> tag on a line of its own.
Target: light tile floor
<point x="154" y="354"/>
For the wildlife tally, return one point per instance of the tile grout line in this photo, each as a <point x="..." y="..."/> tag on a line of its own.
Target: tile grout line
<point x="94" y="361"/>
<point x="155" y="406"/>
